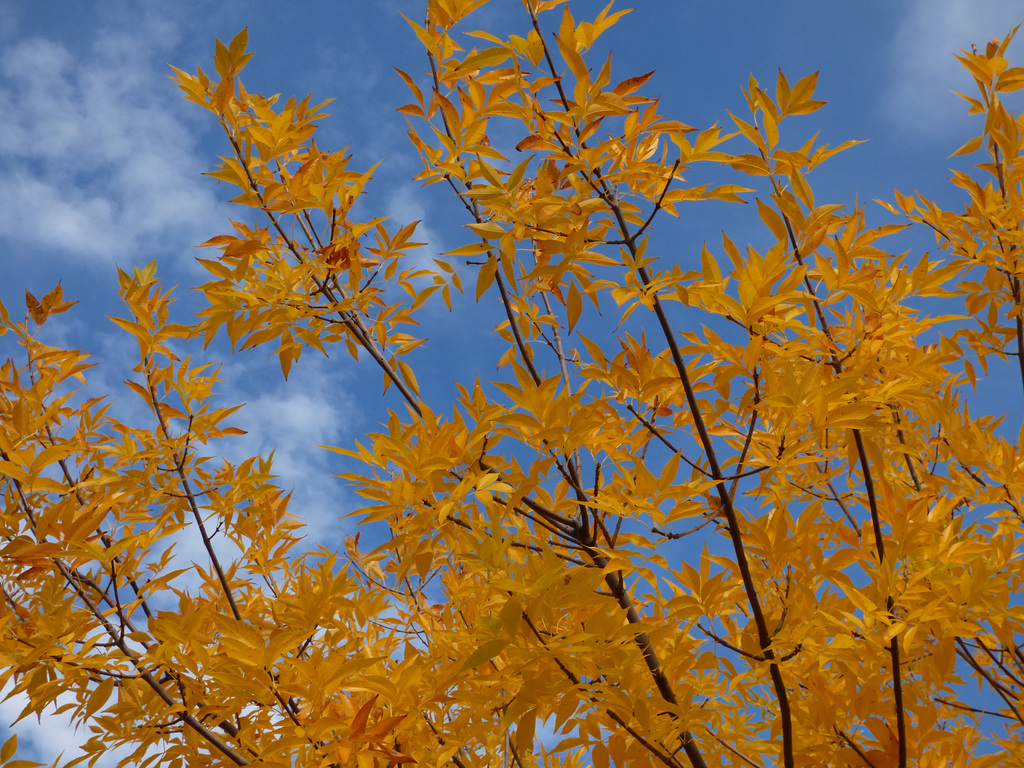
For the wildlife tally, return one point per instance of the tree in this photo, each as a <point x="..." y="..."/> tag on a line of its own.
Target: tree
<point x="781" y="539"/>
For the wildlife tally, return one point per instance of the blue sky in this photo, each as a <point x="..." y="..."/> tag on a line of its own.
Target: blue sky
<point x="100" y="159"/>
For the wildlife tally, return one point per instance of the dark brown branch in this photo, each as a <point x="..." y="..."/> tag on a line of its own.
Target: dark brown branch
<point x="1004" y="693"/>
<point x="650" y="656"/>
<point x="664" y="757"/>
<point x="179" y="468"/>
<point x="764" y="637"/>
<point x="869" y="486"/>
<point x="998" y="662"/>
<point x="894" y="644"/>
<point x="523" y="351"/>
<point x="852" y="745"/>
<point x="349" y="319"/>
<point x="966" y="708"/>
<point x="736" y="752"/>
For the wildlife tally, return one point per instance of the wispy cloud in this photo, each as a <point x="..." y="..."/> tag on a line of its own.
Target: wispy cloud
<point x="923" y="70"/>
<point x="96" y="161"/>
<point x="404" y="206"/>
<point x="49" y="737"/>
<point x="292" y="419"/>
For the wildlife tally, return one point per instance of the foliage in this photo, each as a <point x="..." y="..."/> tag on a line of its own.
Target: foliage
<point x="779" y="537"/>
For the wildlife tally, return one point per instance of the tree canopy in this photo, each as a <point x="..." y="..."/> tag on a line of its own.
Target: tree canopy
<point x="722" y="505"/>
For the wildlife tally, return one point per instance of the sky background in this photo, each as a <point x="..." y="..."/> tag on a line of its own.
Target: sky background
<point x="101" y="160"/>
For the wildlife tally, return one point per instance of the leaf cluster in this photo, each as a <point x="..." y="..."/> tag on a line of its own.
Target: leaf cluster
<point x="778" y="537"/>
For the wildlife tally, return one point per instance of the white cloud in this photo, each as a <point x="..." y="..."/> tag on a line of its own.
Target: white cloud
<point x="291" y="419"/>
<point x="403" y="207"/>
<point x="96" y="161"/>
<point x="43" y="214"/>
<point x="923" y="70"/>
<point x="49" y="737"/>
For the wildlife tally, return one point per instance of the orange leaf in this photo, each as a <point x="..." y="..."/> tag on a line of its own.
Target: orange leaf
<point x="631" y="84"/>
<point x="358" y="725"/>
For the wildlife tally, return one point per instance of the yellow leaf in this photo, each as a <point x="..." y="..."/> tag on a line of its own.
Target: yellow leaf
<point x="9" y="748"/>
<point x="485" y="276"/>
<point x="773" y="220"/>
<point x="709" y="267"/>
<point x="424" y="37"/>
<point x="801" y="188"/>
<point x="473" y="249"/>
<point x="536" y="143"/>
<point x="803" y="91"/>
<point x="487" y="651"/>
<point x="971" y="146"/>
<point x="408" y="376"/>
<point x="573" y="305"/>
<point x="489" y="230"/>
<point x="782" y="92"/>
<point x="1011" y="79"/>
<point x="511" y="615"/>
<point x="671" y="126"/>
<point x="574" y="60"/>
<point x="525" y="731"/>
